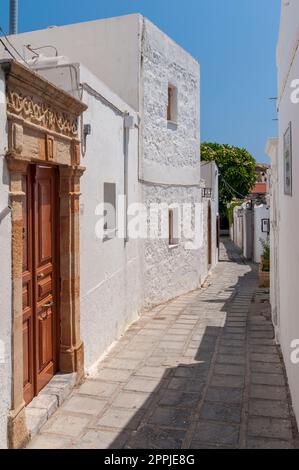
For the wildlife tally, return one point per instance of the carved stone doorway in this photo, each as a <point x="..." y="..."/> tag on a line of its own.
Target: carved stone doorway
<point x="42" y="130"/>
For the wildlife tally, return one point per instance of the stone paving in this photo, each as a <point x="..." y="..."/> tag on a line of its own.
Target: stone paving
<point x="202" y="371"/>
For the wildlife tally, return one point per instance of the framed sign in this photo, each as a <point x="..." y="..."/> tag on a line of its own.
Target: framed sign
<point x="287" y="157"/>
<point x="265" y="225"/>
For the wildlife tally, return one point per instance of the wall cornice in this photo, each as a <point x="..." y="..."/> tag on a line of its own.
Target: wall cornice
<point x="29" y="83"/>
<point x="42" y="119"/>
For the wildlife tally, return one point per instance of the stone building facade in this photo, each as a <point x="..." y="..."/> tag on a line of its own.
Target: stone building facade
<point x="136" y="94"/>
<point x="143" y="66"/>
<point x="170" y="162"/>
<point x="39" y="126"/>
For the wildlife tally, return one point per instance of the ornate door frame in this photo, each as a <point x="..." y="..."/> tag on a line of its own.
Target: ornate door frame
<point x="42" y="128"/>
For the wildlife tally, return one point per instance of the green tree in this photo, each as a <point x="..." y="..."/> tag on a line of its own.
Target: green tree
<point x="237" y="171"/>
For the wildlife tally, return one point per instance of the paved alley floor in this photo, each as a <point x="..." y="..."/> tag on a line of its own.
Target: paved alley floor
<point x="202" y="371"/>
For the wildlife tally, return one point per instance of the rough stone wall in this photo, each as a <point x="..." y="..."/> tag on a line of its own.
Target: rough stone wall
<point x="164" y="63"/>
<point x="169" y="271"/>
<point x="170" y="159"/>
<point x="5" y="277"/>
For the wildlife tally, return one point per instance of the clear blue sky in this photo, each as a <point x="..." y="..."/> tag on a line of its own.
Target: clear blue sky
<point x="234" y="41"/>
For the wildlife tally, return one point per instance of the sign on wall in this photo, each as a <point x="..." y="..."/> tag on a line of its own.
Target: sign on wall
<point x="265" y="225"/>
<point x="287" y="156"/>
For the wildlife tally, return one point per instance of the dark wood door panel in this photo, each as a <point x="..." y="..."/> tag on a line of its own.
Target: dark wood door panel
<point x="28" y="365"/>
<point x="39" y="279"/>
<point x="44" y="216"/>
<point x="45" y="272"/>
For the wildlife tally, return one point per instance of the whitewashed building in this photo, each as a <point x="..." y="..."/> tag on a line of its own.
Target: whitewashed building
<point x="237" y="228"/>
<point x="139" y="134"/>
<point x="251" y="229"/>
<point x="109" y="263"/>
<point x="285" y="197"/>
<point x="110" y="259"/>
<point x="160" y="81"/>
<point x="261" y="229"/>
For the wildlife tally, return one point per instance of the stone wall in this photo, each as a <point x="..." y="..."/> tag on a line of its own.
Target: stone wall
<point x="169" y="271"/>
<point x="170" y="163"/>
<point x="175" y="148"/>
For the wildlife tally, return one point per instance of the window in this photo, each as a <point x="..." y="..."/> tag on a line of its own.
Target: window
<point x="173" y="225"/>
<point x="172" y="104"/>
<point x="110" y="207"/>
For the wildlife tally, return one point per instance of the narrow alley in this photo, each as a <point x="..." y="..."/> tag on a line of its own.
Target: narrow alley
<point x="202" y="371"/>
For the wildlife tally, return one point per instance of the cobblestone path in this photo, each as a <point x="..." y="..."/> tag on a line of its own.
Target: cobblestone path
<point x="202" y="371"/>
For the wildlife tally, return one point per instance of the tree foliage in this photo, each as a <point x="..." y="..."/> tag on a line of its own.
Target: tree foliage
<point x="237" y="171"/>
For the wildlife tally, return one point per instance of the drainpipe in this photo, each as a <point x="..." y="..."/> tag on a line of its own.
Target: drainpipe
<point x="128" y="124"/>
<point x="13" y="17"/>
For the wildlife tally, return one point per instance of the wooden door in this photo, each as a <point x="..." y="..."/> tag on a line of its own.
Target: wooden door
<point x="40" y="323"/>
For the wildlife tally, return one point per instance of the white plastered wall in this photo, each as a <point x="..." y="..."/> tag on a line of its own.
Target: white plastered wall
<point x="109" y="268"/>
<point x="260" y="212"/>
<point x="5" y="275"/>
<point x="288" y="206"/>
<point x="109" y="48"/>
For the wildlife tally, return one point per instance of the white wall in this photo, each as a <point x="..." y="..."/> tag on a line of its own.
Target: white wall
<point x="288" y="206"/>
<point x="170" y="162"/>
<point x="288" y="41"/>
<point x="170" y="152"/>
<point x="238" y="226"/>
<point x="272" y="148"/>
<point x="209" y="174"/>
<point x="5" y="276"/>
<point x="248" y="233"/>
<point x="259" y="213"/>
<point x="168" y="157"/>
<point x="110" y="269"/>
<point x="110" y="48"/>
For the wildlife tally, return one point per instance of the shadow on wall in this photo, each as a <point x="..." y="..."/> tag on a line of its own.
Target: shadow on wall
<point x="170" y="418"/>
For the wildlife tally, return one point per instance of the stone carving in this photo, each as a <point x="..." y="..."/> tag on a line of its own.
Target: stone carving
<point x="17" y="137"/>
<point x="41" y="113"/>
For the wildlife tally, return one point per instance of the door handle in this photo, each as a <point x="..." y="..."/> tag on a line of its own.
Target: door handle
<point x="48" y="305"/>
<point x="40" y="276"/>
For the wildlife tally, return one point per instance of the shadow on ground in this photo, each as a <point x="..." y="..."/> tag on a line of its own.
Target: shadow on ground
<point x="219" y="400"/>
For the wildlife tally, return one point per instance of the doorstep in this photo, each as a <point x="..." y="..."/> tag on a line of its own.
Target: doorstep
<point x="42" y="407"/>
